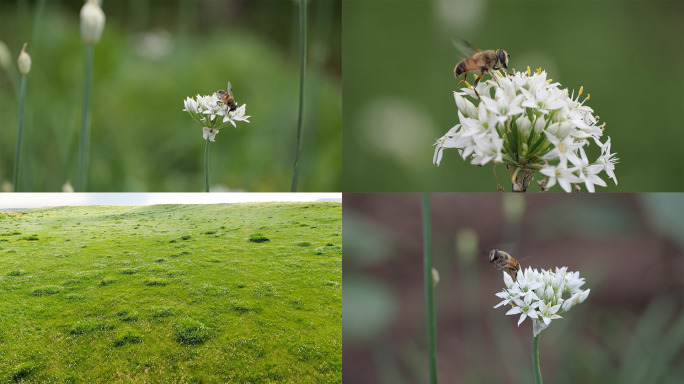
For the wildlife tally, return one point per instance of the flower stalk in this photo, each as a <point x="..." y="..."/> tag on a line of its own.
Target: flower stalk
<point x="535" y="360"/>
<point x="92" y="24"/>
<point x="206" y="165"/>
<point x="24" y="63"/>
<point x="429" y="287"/>
<point x="84" y="142"/>
<point x="302" y="76"/>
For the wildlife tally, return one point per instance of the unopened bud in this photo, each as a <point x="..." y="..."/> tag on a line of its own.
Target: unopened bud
<point x="24" y="61"/>
<point x="435" y="277"/>
<point x="67" y="187"/>
<point x="5" y="59"/>
<point x="92" y="22"/>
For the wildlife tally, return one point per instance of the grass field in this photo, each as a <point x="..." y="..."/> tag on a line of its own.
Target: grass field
<point x="245" y="293"/>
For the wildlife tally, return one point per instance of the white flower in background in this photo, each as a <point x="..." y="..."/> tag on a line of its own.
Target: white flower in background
<point x="539" y="295"/>
<point x="92" y="22"/>
<point x="526" y="121"/>
<point x="213" y="114"/>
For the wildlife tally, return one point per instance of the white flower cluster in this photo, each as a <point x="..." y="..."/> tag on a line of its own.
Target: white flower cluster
<point x="213" y="114"/>
<point x="539" y="295"/>
<point x="532" y="123"/>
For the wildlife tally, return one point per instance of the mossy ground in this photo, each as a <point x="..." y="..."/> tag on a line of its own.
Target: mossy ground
<point x="91" y="301"/>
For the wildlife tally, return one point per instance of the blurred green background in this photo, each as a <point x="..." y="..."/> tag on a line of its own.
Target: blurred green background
<point x="154" y="54"/>
<point x="628" y="247"/>
<point x="398" y="84"/>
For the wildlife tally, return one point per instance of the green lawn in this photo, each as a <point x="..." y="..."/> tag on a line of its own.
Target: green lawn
<point x="245" y="293"/>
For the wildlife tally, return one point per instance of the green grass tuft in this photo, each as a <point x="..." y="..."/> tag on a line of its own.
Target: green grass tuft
<point x="155" y="281"/>
<point x="186" y="237"/>
<point x="30" y="238"/>
<point x="127" y="338"/>
<point x="90" y="325"/>
<point x="128" y="271"/>
<point x="46" y="290"/>
<point x="159" y="313"/>
<point x="258" y="238"/>
<point x="17" y="272"/>
<point x="25" y="371"/>
<point x="107" y="280"/>
<point x="191" y="332"/>
<point x="304" y="244"/>
<point x="264" y="290"/>
<point x="128" y="316"/>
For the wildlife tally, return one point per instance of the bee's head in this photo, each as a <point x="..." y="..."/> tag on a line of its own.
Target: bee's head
<point x="502" y="56"/>
<point x="494" y="255"/>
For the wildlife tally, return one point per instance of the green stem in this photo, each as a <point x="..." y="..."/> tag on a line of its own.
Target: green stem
<point x="206" y="166"/>
<point x="302" y="73"/>
<point x="17" y="152"/>
<point x="83" y="147"/>
<point x="429" y="288"/>
<point x="535" y="360"/>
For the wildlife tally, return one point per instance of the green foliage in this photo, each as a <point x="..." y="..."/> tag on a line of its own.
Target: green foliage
<point x="258" y="238"/>
<point x="234" y="289"/>
<point x="16" y="272"/>
<point x="185" y="237"/>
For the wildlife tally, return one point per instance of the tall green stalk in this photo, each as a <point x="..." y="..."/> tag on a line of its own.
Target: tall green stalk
<point x="302" y="74"/>
<point x="429" y="288"/>
<point x="206" y="166"/>
<point x="535" y="360"/>
<point x="84" y="143"/>
<point x="17" y="152"/>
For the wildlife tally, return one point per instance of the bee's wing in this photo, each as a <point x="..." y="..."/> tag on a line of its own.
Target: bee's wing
<point x="465" y="47"/>
<point x="229" y="88"/>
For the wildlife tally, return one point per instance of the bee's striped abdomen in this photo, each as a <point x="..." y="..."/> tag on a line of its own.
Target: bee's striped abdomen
<point x="464" y="66"/>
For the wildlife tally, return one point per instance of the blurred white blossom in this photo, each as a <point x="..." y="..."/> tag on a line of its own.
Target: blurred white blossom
<point x="526" y="121"/>
<point x="539" y="295"/>
<point x="213" y="114"/>
<point x="92" y="22"/>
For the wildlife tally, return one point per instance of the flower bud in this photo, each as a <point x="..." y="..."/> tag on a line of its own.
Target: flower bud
<point x="4" y="55"/>
<point x="24" y="61"/>
<point x="92" y="22"/>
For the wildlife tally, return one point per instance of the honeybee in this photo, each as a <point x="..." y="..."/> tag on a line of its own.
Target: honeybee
<point x="479" y="60"/>
<point x="227" y="97"/>
<point x="503" y="261"/>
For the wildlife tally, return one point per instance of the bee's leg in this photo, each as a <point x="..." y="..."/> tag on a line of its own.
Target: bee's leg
<point x="464" y="80"/>
<point x="477" y="81"/>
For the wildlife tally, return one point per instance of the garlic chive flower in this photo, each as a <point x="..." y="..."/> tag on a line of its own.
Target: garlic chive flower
<point x="212" y="114"/>
<point x="539" y="295"/>
<point x="530" y="124"/>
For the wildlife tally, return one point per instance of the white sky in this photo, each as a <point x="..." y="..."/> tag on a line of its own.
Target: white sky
<point x="37" y="200"/>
